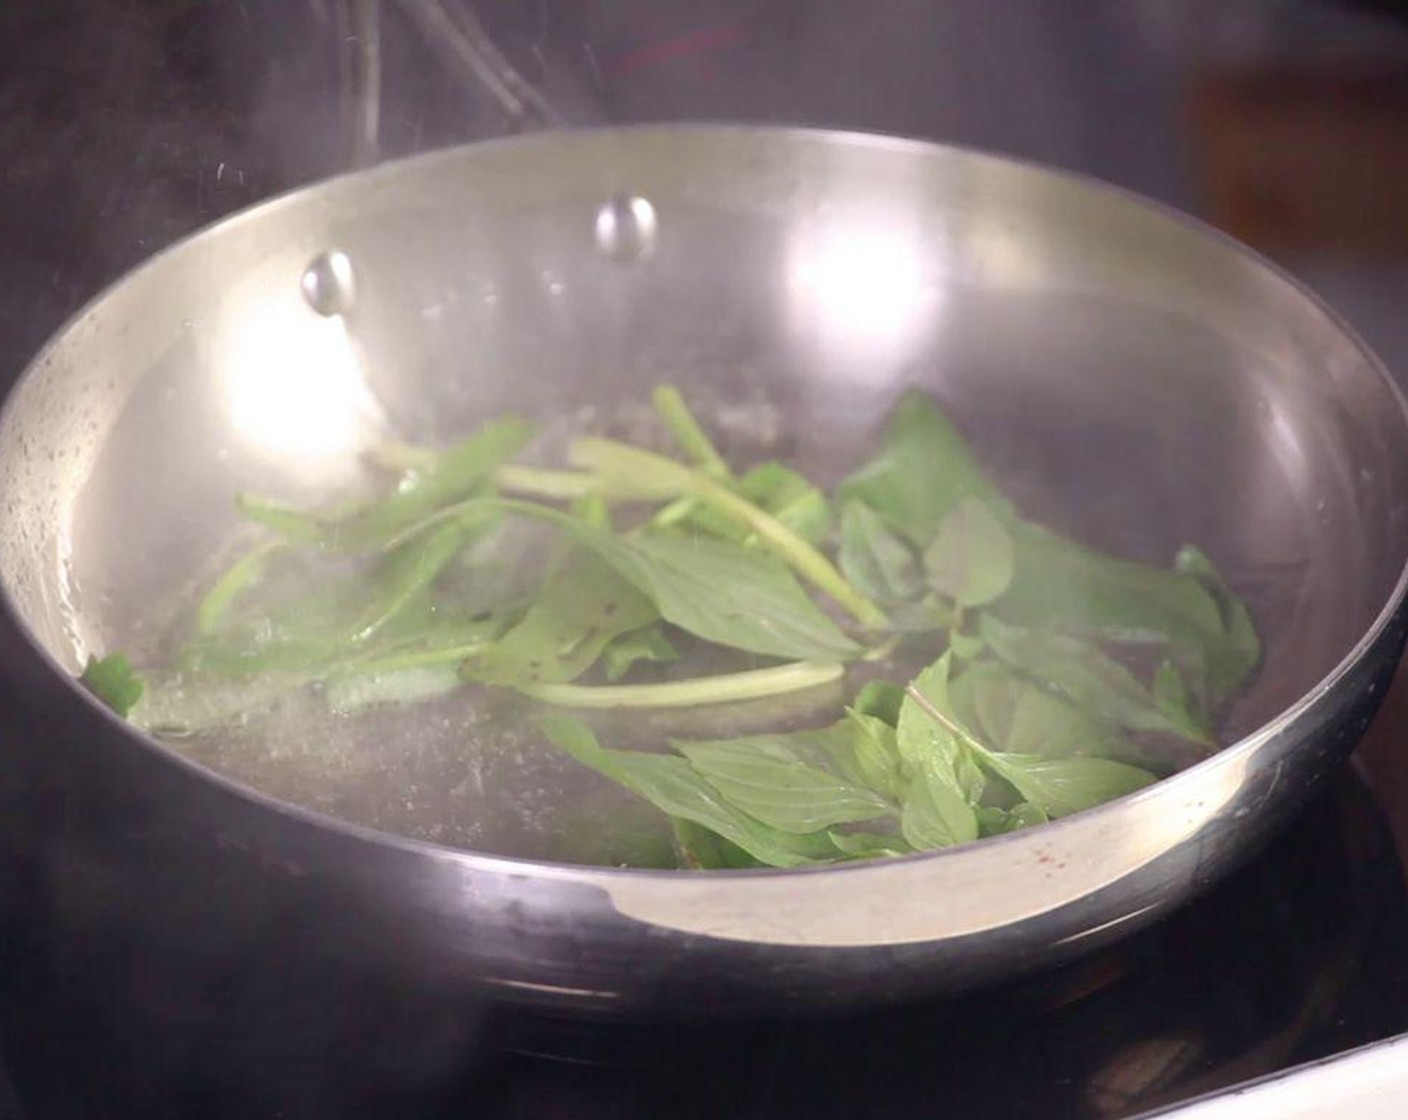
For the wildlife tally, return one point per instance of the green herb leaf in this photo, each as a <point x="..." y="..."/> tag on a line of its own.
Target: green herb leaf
<point x="452" y="475"/>
<point x="922" y="471"/>
<point x="1177" y="705"/>
<point x="1059" y="787"/>
<point x="871" y="756"/>
<point x="1088" y="677"/>
<point x="938" y="802"/>
<point x="1059" y="584"/>
<point x="1232" y="660"/>
<point x="404" y="576"/>
<point x="628" y="472"/>
<point x="993" y="821"/>
<point x="112" y="680"/>
<point x="1017" y="715"/>
<point x="584" y="606"/>
<point x="674" y="787"/>
<point x="702" y="850"/>
<point x="790" y="497"/>
<point x="766" y="778"/>
<point x="645" y="644"/>
<point x="970" y="559"/>
<point x="921" y="740"/>
<point x="966" y="647"/>
<point x="880" y="699"/>
<point x="934" y="813"/>
<point x="728" y="594"/>
<point x="870" y="845"/>
<point x="875" y="558"/>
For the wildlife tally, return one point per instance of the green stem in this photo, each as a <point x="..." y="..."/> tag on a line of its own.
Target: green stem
<point x="237" y="577"/>
<point x="672" y="514"/>
<point x="393" y="455"/>
<point x="952" y="726"/>
<point x="693" y="441"/>
<point x="808" y="561"/>
<point x="417" y="659"/>
<point x="544" y="483"/>
<point x="724" y="688"/>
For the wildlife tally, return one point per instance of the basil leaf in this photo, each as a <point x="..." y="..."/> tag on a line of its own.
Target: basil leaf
<point x="934" y="813"/>
<point x="880" y="699"/>
<point x="1020" y="716"/>
<point x="763" y="609"/>
<point x="340" y="620"/>
<point x="584" y="605"/>
<point x="993" y="821"/>
<point x="674" y="787"/>
<point x="875" y="558"/>
<point x="871" y="758"/>
<point x="922" y="741"/>
<point x="765" y="778"/>
<point x="405" y="574"/>
<point x="1059" y="584"/>
<point x="702" y="850"/>
<point x="923" y="616"/>
<point x="869" y="845"/>
<point x="450" y="476"/>
<point x="1062" y="786"/>
<point x="1173" y="699"/>
<point x="923" y="470"/>
<point x="1232" y="660"/>
<point x="970" y="559"/>
<point x="727" y="594"/>
<point x="112" y="680"/>
<point x="966" y="647"/>
<point x="646" y="644"/>
<point x="1088" y="677"/>
<point x="937" y="806"/>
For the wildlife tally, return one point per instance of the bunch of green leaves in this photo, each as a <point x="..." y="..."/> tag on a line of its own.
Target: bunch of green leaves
<point x="1031" y="707"/>
<point x="899" y="773"/>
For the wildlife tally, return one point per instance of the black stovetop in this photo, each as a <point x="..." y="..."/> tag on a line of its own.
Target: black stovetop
<point x="1302" y="954"/>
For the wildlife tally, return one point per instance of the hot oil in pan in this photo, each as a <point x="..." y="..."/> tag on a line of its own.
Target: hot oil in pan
<point x="1110" y="462"/>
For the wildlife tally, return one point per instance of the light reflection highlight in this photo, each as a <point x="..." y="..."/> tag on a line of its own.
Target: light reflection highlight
<point x="860" y="287"/>
<point x="294" y="384"/>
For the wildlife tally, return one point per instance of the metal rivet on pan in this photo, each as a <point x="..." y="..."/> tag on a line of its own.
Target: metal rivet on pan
<point x="626" y="228"/>
<point x="328" y="284"/>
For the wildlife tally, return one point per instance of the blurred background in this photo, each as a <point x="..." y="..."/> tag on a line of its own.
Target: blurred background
<point x="125" y="124"/>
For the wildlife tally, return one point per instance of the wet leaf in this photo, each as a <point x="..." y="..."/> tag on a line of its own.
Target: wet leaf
<point x="934" y="813"/>
<point x="584" y="606"/>
<point x="112" y="680"/>
<point x="449" y="476"/>
<point x="970" y="559"/>
<point x="766" y="778"/>
<point x="923" y="469"/>
<point x="1059" y="787"/>
<point x="674" y="787"/>
<point x="646" y="644"/>
<point x="875" y="558"/>
<point x="1088" y="677"/>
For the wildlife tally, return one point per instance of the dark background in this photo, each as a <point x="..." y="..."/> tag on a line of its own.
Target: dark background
<point x="126" y="123"/>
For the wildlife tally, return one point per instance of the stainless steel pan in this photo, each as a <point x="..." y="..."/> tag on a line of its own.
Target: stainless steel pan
<point x="1137" y="378"/>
